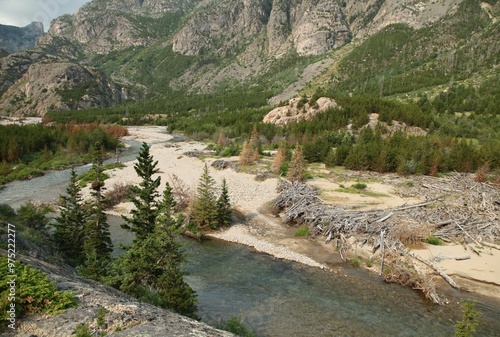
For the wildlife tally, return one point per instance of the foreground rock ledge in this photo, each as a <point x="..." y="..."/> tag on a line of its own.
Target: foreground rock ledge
<point x="135" y="318"/>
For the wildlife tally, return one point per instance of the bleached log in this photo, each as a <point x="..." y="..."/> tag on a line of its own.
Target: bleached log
<point x="491" y="245"/>
<point x="436" y="268"/>
<point x="458" y="258"/>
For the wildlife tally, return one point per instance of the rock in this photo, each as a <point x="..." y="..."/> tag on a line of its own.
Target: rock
<point x="133" y="317"/>
<point x="298" y="110"/>
<point x="13" y="38"/>
<point x="59" y="86"/>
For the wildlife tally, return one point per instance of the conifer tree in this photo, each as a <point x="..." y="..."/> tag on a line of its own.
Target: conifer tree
<point x="224" y="206"/>
<point x="246" y="154"/>
<point x="279" y="159"/>
<point x="151" y="268"/>
<point x="205" y="207"/>
<point x="70" y="224"/>
<point x="97" y="245"/>
<point x="296" y="168"/>
<point x="144" y="197"/>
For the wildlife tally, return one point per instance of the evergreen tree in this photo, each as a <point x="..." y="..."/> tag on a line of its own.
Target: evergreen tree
<point x="279" y="159"/>
<point x="205" y="207"/>
<point x="144" y="196"/>
<point x="151" y="269"/>
<point x="224" y="206"/>
<point x="296" y="168"/>
<point x="97" y="245"/>
<point x="70" y="224"/>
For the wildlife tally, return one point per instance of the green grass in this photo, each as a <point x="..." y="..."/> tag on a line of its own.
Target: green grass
<point x="433" y="240"/>
<point x="302" y="231"/>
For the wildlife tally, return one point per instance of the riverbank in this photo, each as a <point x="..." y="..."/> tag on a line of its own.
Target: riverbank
<point x="261" y="229"/>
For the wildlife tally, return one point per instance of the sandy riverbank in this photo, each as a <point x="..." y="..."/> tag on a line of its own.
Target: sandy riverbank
<point x="264" y="231"/>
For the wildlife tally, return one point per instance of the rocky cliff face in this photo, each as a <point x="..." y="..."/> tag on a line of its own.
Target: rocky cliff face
<point x="59" y="86"/>
<point x="229" y="40"/>
<point x="103" y="26"/>
<point x="226" y="27"/>
<point x="125" y="316"/>
<point x="13" y="39"/>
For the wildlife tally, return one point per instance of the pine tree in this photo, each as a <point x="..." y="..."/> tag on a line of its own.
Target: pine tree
<point x="279" y="159"/>
<point x="144" y="196"/>
<point x="70" y="224"/>
<point x="151" y="268"/>
<point x="205" y="207"/>
<point x="246" y="154"/>
<point x="97" y="245"/>
<point x="224" y="206"/>
<point x="296" y="168"/>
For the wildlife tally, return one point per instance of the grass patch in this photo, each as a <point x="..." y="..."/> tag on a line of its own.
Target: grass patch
<point x="355" y="262"/>
<point x="302" y="231"/>
<point x="433" y="240"/>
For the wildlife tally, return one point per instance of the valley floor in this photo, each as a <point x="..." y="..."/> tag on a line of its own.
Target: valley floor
<point x="259" y="227"/>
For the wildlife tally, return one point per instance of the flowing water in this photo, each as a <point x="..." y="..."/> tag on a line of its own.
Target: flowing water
<point x="281" y="298"/>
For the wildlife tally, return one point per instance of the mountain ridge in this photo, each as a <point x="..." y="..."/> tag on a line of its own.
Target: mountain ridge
<point x="158" y="48"/>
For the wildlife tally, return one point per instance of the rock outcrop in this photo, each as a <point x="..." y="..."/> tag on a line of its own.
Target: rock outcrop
<point x="227" y="27"/>
<point x="59" y="86"/>
<point x="299" y="109"/>
<point x="125" y="315"/>
<point x="13" y="38"/>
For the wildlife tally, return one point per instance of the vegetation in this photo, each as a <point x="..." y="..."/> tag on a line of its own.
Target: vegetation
<point x="151" y="268"/>
<point x="467" y="326"/>
<point x="26" y="151"/>
<point x="302" y="231"/>
<point x="70" y="224"/>
<point x="35" y="293"/>
<point x="144" y="197"/>
<point x="97" y="245"/>
<point x="236" y="326"/>
<point x="432" y="240"/>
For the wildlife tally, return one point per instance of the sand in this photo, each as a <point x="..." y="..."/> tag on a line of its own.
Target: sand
<point x="265" y="232"/>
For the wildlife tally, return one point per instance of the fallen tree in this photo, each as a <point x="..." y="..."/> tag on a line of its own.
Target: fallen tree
<point x="471" y="216"/>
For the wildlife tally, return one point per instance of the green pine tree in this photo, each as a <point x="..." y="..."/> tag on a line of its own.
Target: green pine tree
<point x="467" y="326"/>
<point x="205" y="203"/>
<point x="97" y="245"/>
<point x="144" y="197"/>
<point x="224" y="206"/>
<point x="70" y="225"/>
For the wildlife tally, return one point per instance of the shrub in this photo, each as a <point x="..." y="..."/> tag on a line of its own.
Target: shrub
<point x="359" y="186"/>
<point x="355" y="262"/>
<point x="302" y="231"/>
<point x="433" y="240"/>
<point x="34" y="292"/>
<point x="236" y="326"/>
<point x="118" y="193"/>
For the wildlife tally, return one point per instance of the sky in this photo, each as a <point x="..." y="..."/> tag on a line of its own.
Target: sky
<point x="22" y="12"/>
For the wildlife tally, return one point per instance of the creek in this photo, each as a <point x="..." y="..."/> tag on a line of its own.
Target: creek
<point x="282" y="298"/>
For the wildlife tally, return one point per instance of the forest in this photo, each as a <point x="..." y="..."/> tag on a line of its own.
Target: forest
<point x="28" y="150"/>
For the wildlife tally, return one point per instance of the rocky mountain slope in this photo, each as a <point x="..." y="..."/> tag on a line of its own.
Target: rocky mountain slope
<point x="13" y="39"/>
<point x="125" y="316"/>
<point x="157" y="48"/>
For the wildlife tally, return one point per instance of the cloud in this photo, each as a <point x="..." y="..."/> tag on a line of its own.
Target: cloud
<point x="22" y="12"/>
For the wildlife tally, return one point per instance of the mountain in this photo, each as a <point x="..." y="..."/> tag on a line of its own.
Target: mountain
<point x="13" y="38"/>
<point x="268" y="49"/>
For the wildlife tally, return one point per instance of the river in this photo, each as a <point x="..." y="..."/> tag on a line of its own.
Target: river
<point x="281" y="298"/>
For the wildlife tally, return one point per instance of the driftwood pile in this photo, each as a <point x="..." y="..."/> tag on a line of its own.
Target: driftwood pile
<point x="457" y="210"/>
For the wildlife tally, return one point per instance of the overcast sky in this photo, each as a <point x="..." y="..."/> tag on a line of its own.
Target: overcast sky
<point x="22" y="12"/>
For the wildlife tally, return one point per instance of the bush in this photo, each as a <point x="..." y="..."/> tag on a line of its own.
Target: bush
<point x="35" y="293"/>
<point x="236" y="326"/>
<point x="302" y="231"/>
<point x="433" y="240"/>
<point x="359" y="186"/>
<point x="118" y="193"/>
<point x="355" y="262"/>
